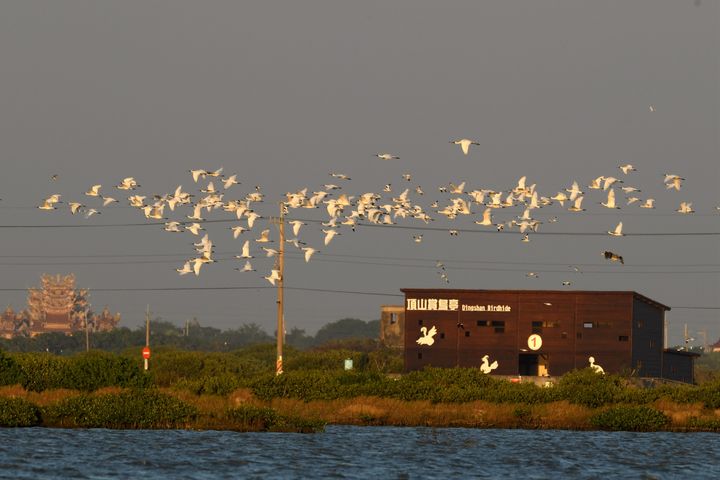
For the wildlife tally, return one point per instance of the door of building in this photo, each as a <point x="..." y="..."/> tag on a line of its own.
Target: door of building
<point x="528" y="364"/>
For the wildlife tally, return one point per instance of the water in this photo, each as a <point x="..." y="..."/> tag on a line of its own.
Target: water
<point x="356" y="452"/>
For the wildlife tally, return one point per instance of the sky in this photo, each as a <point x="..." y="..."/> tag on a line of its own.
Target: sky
<point x="284" y="93"/>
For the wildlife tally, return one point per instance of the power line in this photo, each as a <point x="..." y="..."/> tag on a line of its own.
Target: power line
<point x="305" y="289"/>
<point x="618" y="269"/>
<point x="318" y="255"/>
<point x="234" y="288"/>
<point x="395" y="226"/>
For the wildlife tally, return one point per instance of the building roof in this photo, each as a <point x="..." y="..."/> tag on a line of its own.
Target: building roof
<point x="636" y="295"/>
<point x="681" y="352"/>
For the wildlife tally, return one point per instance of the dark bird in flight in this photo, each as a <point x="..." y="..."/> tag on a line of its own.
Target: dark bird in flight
<point x="614" y="257"/>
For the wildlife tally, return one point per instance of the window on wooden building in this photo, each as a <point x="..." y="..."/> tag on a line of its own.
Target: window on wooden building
<point x="467" y="333"/>
<point x="483" y="323"/>
<point x="537" y="327"/>
<point x="578" y="335"/>
<point x="588" y="325"/>
<point x="419" y="355"/>
<point x="442" y="335"/>
<point x="420" y="322"/>
<point x="623" y="338"/>
<point x="563" y="335"/>
<point x="499" y="326"/>
<point x="393" y="318"/>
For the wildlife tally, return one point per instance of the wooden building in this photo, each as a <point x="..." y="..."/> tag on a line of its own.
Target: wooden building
<point x="539" y="332"/>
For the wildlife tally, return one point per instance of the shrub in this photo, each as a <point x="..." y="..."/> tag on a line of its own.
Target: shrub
<point x="710" y="394"/>
<point x="216" y="385"/>
<point x="93" y="370"/>
<point x="172" y="366"/>
<point x="10" y="373"/>
<point x="43" y="371"/>
<point x="250" y="417"/>
<point x="18" y="412"/>
<point x="704" y="424"/>
<point x="636" y="418"/>
<point x="585" y="387"/>
<point x="137" y="408"/>
<point x="292" y="423"/>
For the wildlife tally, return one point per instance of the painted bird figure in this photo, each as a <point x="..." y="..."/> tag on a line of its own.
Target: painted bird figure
<point x="486" y="366"/>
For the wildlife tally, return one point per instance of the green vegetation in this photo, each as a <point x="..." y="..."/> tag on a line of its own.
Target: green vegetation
<point x="18" y="412"/>
<point x="265" y="419"/>
<point x="635" y="418"/>
<point x="85" y="371"/>
<point x="128" y="409"/>
<point x="240" y="390"/>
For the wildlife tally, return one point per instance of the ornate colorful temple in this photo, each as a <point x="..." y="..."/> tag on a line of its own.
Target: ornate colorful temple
<point x="57" y="306"/>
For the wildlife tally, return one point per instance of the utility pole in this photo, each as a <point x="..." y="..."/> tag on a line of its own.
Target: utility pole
<point x="146" y="361"/>
<point x="87" y="334"/>
<point x="687" y="338"/>
<point x="280" y="222"/>
<point x="704" y="341"/>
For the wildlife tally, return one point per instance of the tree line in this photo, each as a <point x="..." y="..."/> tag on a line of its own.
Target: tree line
<point x="350" y="332"/>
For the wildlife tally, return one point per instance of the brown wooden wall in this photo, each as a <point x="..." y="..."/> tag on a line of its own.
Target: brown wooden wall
<point x="573" y="326"/>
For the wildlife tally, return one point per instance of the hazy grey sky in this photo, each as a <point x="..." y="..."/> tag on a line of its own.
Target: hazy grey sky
<point x="283" y="93"/>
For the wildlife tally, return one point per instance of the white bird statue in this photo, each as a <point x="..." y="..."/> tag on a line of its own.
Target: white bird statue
<point x="427" y="338"/>
<point x="486" y="366"/>
<point x="596" y="368"/>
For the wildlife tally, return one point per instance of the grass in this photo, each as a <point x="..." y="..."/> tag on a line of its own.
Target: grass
<point x="369" y="410"/>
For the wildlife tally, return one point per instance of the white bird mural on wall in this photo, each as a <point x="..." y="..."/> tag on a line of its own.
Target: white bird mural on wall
<point x="486" y="366"/>
<point x="427" y="338"/>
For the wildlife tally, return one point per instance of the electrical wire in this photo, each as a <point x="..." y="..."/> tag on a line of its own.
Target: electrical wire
<point x="395" y="226"/>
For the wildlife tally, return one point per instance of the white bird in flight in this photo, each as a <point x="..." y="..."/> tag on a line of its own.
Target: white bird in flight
<point x="465" y="144"/>
<point x="296" y="224"/>
<point x="237" y="231"/>
<point x="610" y="203"/>
<point x="245" y="250"/>
<point x="247" y="267"/>
<point x="128" y="183"/>
<point x="576" y="207"/>
<point x="75" y="207"/>
<point x="685" y="207"/>
<point x="329" y="235"/>
<point x="618" y="231"/>
<point x="186" y="268"/>
<point x="230" y="181"/>
<point x="627" y="168"/>
<point x="487" y="218"/>
<point x="649" y="203"/>
<point x="264" y="236"/>
<point x="194" y="228"/>
<point x="309" y="251"/>
<point x="387" y="156"/>
<point x="274" y="275"/>
<point x="94" y="191"/>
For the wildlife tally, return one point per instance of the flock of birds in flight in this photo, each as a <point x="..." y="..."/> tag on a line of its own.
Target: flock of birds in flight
<point x="348" y="211"/>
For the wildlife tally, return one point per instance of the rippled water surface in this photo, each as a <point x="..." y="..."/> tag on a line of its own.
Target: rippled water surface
<point x="356" y="452"/>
